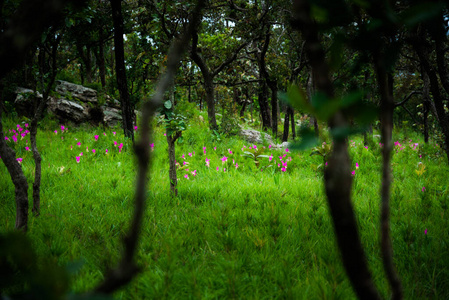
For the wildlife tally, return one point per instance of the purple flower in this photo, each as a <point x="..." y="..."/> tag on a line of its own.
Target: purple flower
<point x="425" y="231"/>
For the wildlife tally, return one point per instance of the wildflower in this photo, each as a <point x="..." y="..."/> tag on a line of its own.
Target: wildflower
<point x="78" y="159"/>
<point x="236" y="166"/>
<point x="93" y="151"/>
<point x="207" y="162"/>
<point x="113" y="132"/>
<point x="120" y="147"/>
<point x="218" y="169"/>
<point x="81" y="154"/>
<point x="224" y="170"/>
<point x="425" y="231"/>
<point x="19" y="160"/>
<point x="366" y="147"/>
<point x="215" y="148"/>
<point x="87" y="149"/>
<point x="423" y="188"/>
<point x="224" y="158"/>
<point x="186" y="176"/>
<point x="152" y="146"/>
<point x="190" y="154"/>
<point x="356" y="166"/>
<point x="254" y="147"/>
<point x="269" y="146"/>
<point x="284" y="164"/>
<point x="183" y="156"/>
<point x="284" y="169"/>
<point x="104" y="133"/>
<point x="270" y="158"/>
<point x="14" y="138"/>
<point x="56" y="132"/>
<point x="353" y="173"/>
<point x="26" y="125"/>
<point x="96" y="137"/>
<point x="325" y="164"/>
<point x="62" y="128"/>
<point x="78" y="144"/>
<point x="184" y="163"/>
<point x="286" y="150"/>
<point x="115" y="143"/>
<point x="107" y="151"/>
<point x="165" y="134"/>
<point x="194" y="173"/>
<point x="135" y="128"/>
<point x="229" y="150"/>
<point x="6" y="138"/>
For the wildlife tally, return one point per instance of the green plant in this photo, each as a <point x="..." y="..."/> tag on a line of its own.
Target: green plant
<point x="255" y="154"/>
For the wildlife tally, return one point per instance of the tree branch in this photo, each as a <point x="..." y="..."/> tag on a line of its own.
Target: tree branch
<point x="406" y="99"/>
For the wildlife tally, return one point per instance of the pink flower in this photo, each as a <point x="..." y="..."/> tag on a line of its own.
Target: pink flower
<point x="356" y="166"/>
<point x="184" y="163"/>
<point x="78" y="144"/>
<point x="81" y="154"/>
<point x="165" y="134"/>
<point x="56" y="132"/>
<point x="283" y="169"/>
<point x="229" y="150"/>
<point x="120" y="147"/>
<point x="207" y="162"/>
<point x="325" y="164"/>
<point x="186" y="176"/>
<point x="6" y="138"/>
<point x="113" y="132"/>
<point x="218" y="169"/>
<point x="254" y="147"/>
<point x="194" y="173"/>
<point x="215" y="148"/>
<point x="224" y="158"/>
<point x="87" y="149"/>
<point x="353" y="173"/>
<point x="27" y="148"/>
<point x="115" y="143"/>
<point x="366" y="147"/>
<point x="135" y="128"/>
<point x="104" y="133"/>
<point x="107" y="151"/>
<point x="236" y="166"/>
<point x="286" y="150"/>
<point x="14" y="138"/>
<point x="190" y="154"/>
<point x="270" y="158"/>
<point x="26" y="125"/>
<point x="93" y="151"/>
<point x="62" y="128"/>
<point x="19" y="160"/>
<point x="425" y="231"/>
<point x="78" y="159"/>
<point x="224" y="170"/>
<point x="96" y="137"/>
<point x="423" y="189"/>
<point x="183" y="156"/>
<point x="269" y="146"/>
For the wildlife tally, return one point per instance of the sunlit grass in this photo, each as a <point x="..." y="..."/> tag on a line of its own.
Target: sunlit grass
<point x="243" y="233"/>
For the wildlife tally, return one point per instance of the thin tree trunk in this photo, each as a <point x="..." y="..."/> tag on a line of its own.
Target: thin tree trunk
<point x="127" y="112"/>
<point x="292" y="119"/>
<point x="426" y="105"/>
<point x="172" y="161"/>
<point x="337" y="176"/>
<point x="286" y="124"/>
<point x="101" y="61"/>
<point x="8" y="156"/>
<point x="274" y="109"/>
<point x="263" y="104"/>
<point x="385" y="83"/>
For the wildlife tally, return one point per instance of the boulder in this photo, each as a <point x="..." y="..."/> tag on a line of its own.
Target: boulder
<point x="25" y="100"/>
<point x="254" y="136"/>
<point x="65" y="109"/>
<point x="76" y="91"/>
<point x="112" y="116"/>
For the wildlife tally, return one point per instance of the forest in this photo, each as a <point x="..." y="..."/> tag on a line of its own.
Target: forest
<point x="197" y="149"/>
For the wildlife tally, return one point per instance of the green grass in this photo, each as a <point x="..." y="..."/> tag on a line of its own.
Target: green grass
<point x="243" y="233"/>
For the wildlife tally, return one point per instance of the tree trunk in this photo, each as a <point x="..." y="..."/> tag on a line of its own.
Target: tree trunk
<point x="274" y="109"/>
<point x="337" y="176"/>
<point x="292" y="119"/>
<point x="286" y="124"/>
<point x="127" y="111"/>
<point x="426" y="105"/>
<point x="385" y="83"/>
<point x="210" y="100"/>
<point x="8" y="156"/>
<point x="172" y="161"/>
<point x="263" y="105"/>
<point x="101" y="61"/>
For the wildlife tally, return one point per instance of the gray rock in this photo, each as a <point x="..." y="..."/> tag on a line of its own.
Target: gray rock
<point x="254" y="136"/>
<point x="68" y="110"/>
<point x="112" y="116"/>
<point x="76" y="91"/>
<point x="25" y="100"/>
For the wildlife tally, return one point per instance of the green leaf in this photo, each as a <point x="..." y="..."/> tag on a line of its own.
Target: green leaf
<point x="308" y="140"/>
<point x="352" y="98"/>
<point x="297" y="98"/>
<point x="167" y="104"/>
<point x="341" y="133"/>
<point x="325" y="108"/>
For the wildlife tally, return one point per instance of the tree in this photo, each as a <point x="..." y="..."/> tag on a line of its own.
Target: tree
<point x="127" y="110"/>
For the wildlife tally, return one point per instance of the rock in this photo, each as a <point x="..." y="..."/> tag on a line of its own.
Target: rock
<point x="112" y="116"/>
<point x="76" y="91"/>
<point x="254" y="136"/>
<point x="283" y="145"/>
<point x="68" y="110"/>
<point x="25" y="100"/>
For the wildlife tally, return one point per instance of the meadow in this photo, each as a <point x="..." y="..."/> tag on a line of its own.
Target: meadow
<point x="234" y="231"/>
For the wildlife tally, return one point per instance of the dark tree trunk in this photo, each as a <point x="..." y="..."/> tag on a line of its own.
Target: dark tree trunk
<point x="127" y="111"/>
<point x="385" y="83"/>
<point x="337" y="176"/>
<point x="426" y="105"/>
<point x="263" y="105"/>
<point x="101" y="61"/>
<point x="286" y="124"/>
<point x="8" y="156"/>
<point x="423" y="54"/>
<point x="292" y="119"/>
<point x="274" y="109"/>
<point x="172" y="161"/>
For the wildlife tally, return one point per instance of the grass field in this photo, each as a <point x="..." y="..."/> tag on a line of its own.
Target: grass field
<point x="234" y="233"/>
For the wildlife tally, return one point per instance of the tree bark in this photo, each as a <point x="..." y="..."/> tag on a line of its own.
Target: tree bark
<point x="101" y="60"/>
<point x="8" y="156"/>
<point x="286" y="124"/>
<point x="172" y="161"/>
<point x="127" y="111"/>
<point x="337" y="175"/>
<point x="385" y="83"/>
<point x="263" y="105"/>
